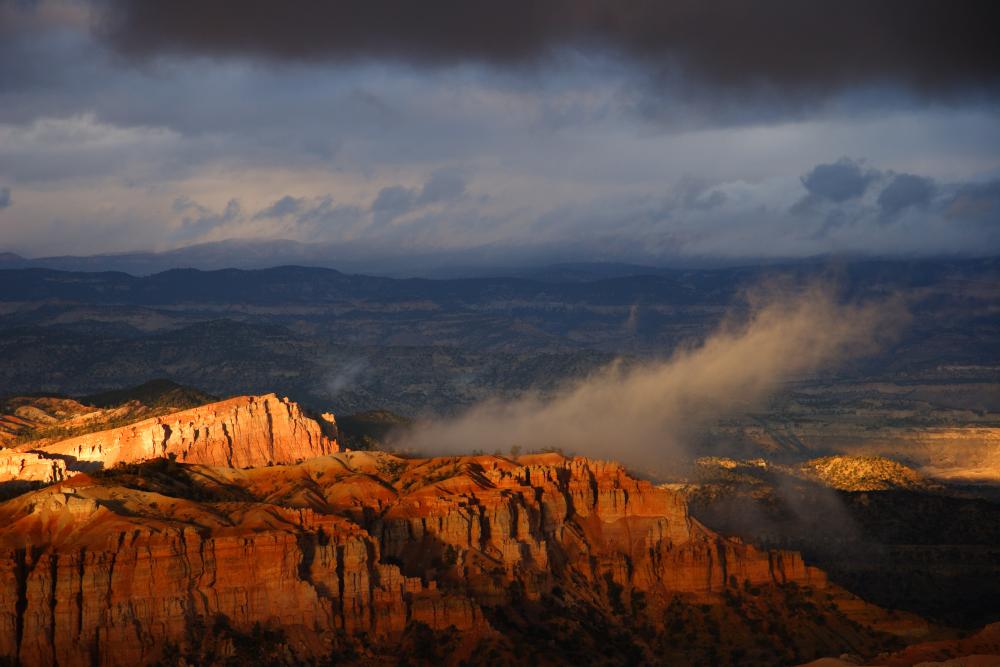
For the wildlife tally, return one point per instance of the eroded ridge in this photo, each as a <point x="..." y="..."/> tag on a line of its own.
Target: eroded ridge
<point x="355" y="548"/>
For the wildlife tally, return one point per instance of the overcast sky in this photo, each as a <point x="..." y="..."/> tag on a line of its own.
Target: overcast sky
<point x="629" y="131"/>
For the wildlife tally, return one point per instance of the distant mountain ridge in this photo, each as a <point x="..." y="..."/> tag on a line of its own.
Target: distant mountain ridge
<point x="255" y="254"/>
<point x="548" y="263"/>
<point x="208" y="256"/>
<point x="311" y="284"/>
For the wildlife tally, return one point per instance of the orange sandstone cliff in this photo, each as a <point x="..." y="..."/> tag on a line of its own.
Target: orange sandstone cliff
<point x="30" y="467"/>
<point x="239" y="432"/>
<point x="355" y="555"/>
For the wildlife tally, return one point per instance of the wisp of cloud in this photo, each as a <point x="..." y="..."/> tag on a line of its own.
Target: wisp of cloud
<point x="644" y="416"/>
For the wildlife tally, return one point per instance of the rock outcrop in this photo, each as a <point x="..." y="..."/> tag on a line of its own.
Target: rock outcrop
<point x="841" y="472"/>
<point x="30" y="467"/>
<point x="963" y="453"/>
<point x="239" y="432"/>
<point x="358" y="552"/>
<point x="863" y="473"/>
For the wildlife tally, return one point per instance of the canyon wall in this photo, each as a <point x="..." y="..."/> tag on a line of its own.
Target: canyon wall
<point x="116" y="569"/>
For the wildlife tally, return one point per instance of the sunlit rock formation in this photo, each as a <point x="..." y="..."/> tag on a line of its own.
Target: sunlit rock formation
<point x="30" y="467"/>
<point x="358" y="551"/>
<point x="239" y="432"/>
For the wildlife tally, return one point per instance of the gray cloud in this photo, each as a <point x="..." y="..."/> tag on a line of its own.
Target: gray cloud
<point x="287" y="205"/>
<point x="719" y="221"/>
<point x="345" y="375"/>
<point x="321" y="218"/>
<point x="194" y="227"/>
<point x="5" y="199"/>
<point x="699" y="196"/>
<point x="395" y="200"/>
<point x="904" y="191"/>
<point x="392" y="202"/>
<point x="977" y="203"/>
<point x="326" y="220"/>
<point x="443" y="185"/>
<point x="839" y="181"/>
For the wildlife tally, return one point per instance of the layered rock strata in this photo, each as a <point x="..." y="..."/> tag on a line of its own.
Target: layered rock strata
<point x="126" y="566"/>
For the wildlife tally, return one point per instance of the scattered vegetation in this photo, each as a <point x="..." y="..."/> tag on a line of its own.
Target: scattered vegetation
<point x="112" y="409"/>
<point x="219" y="643"/>
<point x="423" y="646"/>
<point x="155" y="394"/>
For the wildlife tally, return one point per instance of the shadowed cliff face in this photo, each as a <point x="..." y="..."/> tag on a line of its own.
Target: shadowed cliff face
<point x="362" y="554"/>
<point x="875" y="526"/>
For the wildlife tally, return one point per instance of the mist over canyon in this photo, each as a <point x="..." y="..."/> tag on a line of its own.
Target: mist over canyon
<point x="646" y="414"/>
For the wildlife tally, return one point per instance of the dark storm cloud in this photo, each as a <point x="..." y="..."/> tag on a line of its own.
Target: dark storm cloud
<point x="5" y="199"/>
<point x="839" y="181"/>
<point x="904" y="191"/>
<point x="929" y="44"/>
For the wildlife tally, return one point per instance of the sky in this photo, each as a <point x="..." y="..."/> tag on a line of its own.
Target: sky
<point x="603" y="131"/>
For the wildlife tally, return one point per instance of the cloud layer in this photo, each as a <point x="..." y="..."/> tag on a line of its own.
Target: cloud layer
<point x="626" y="132"/>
